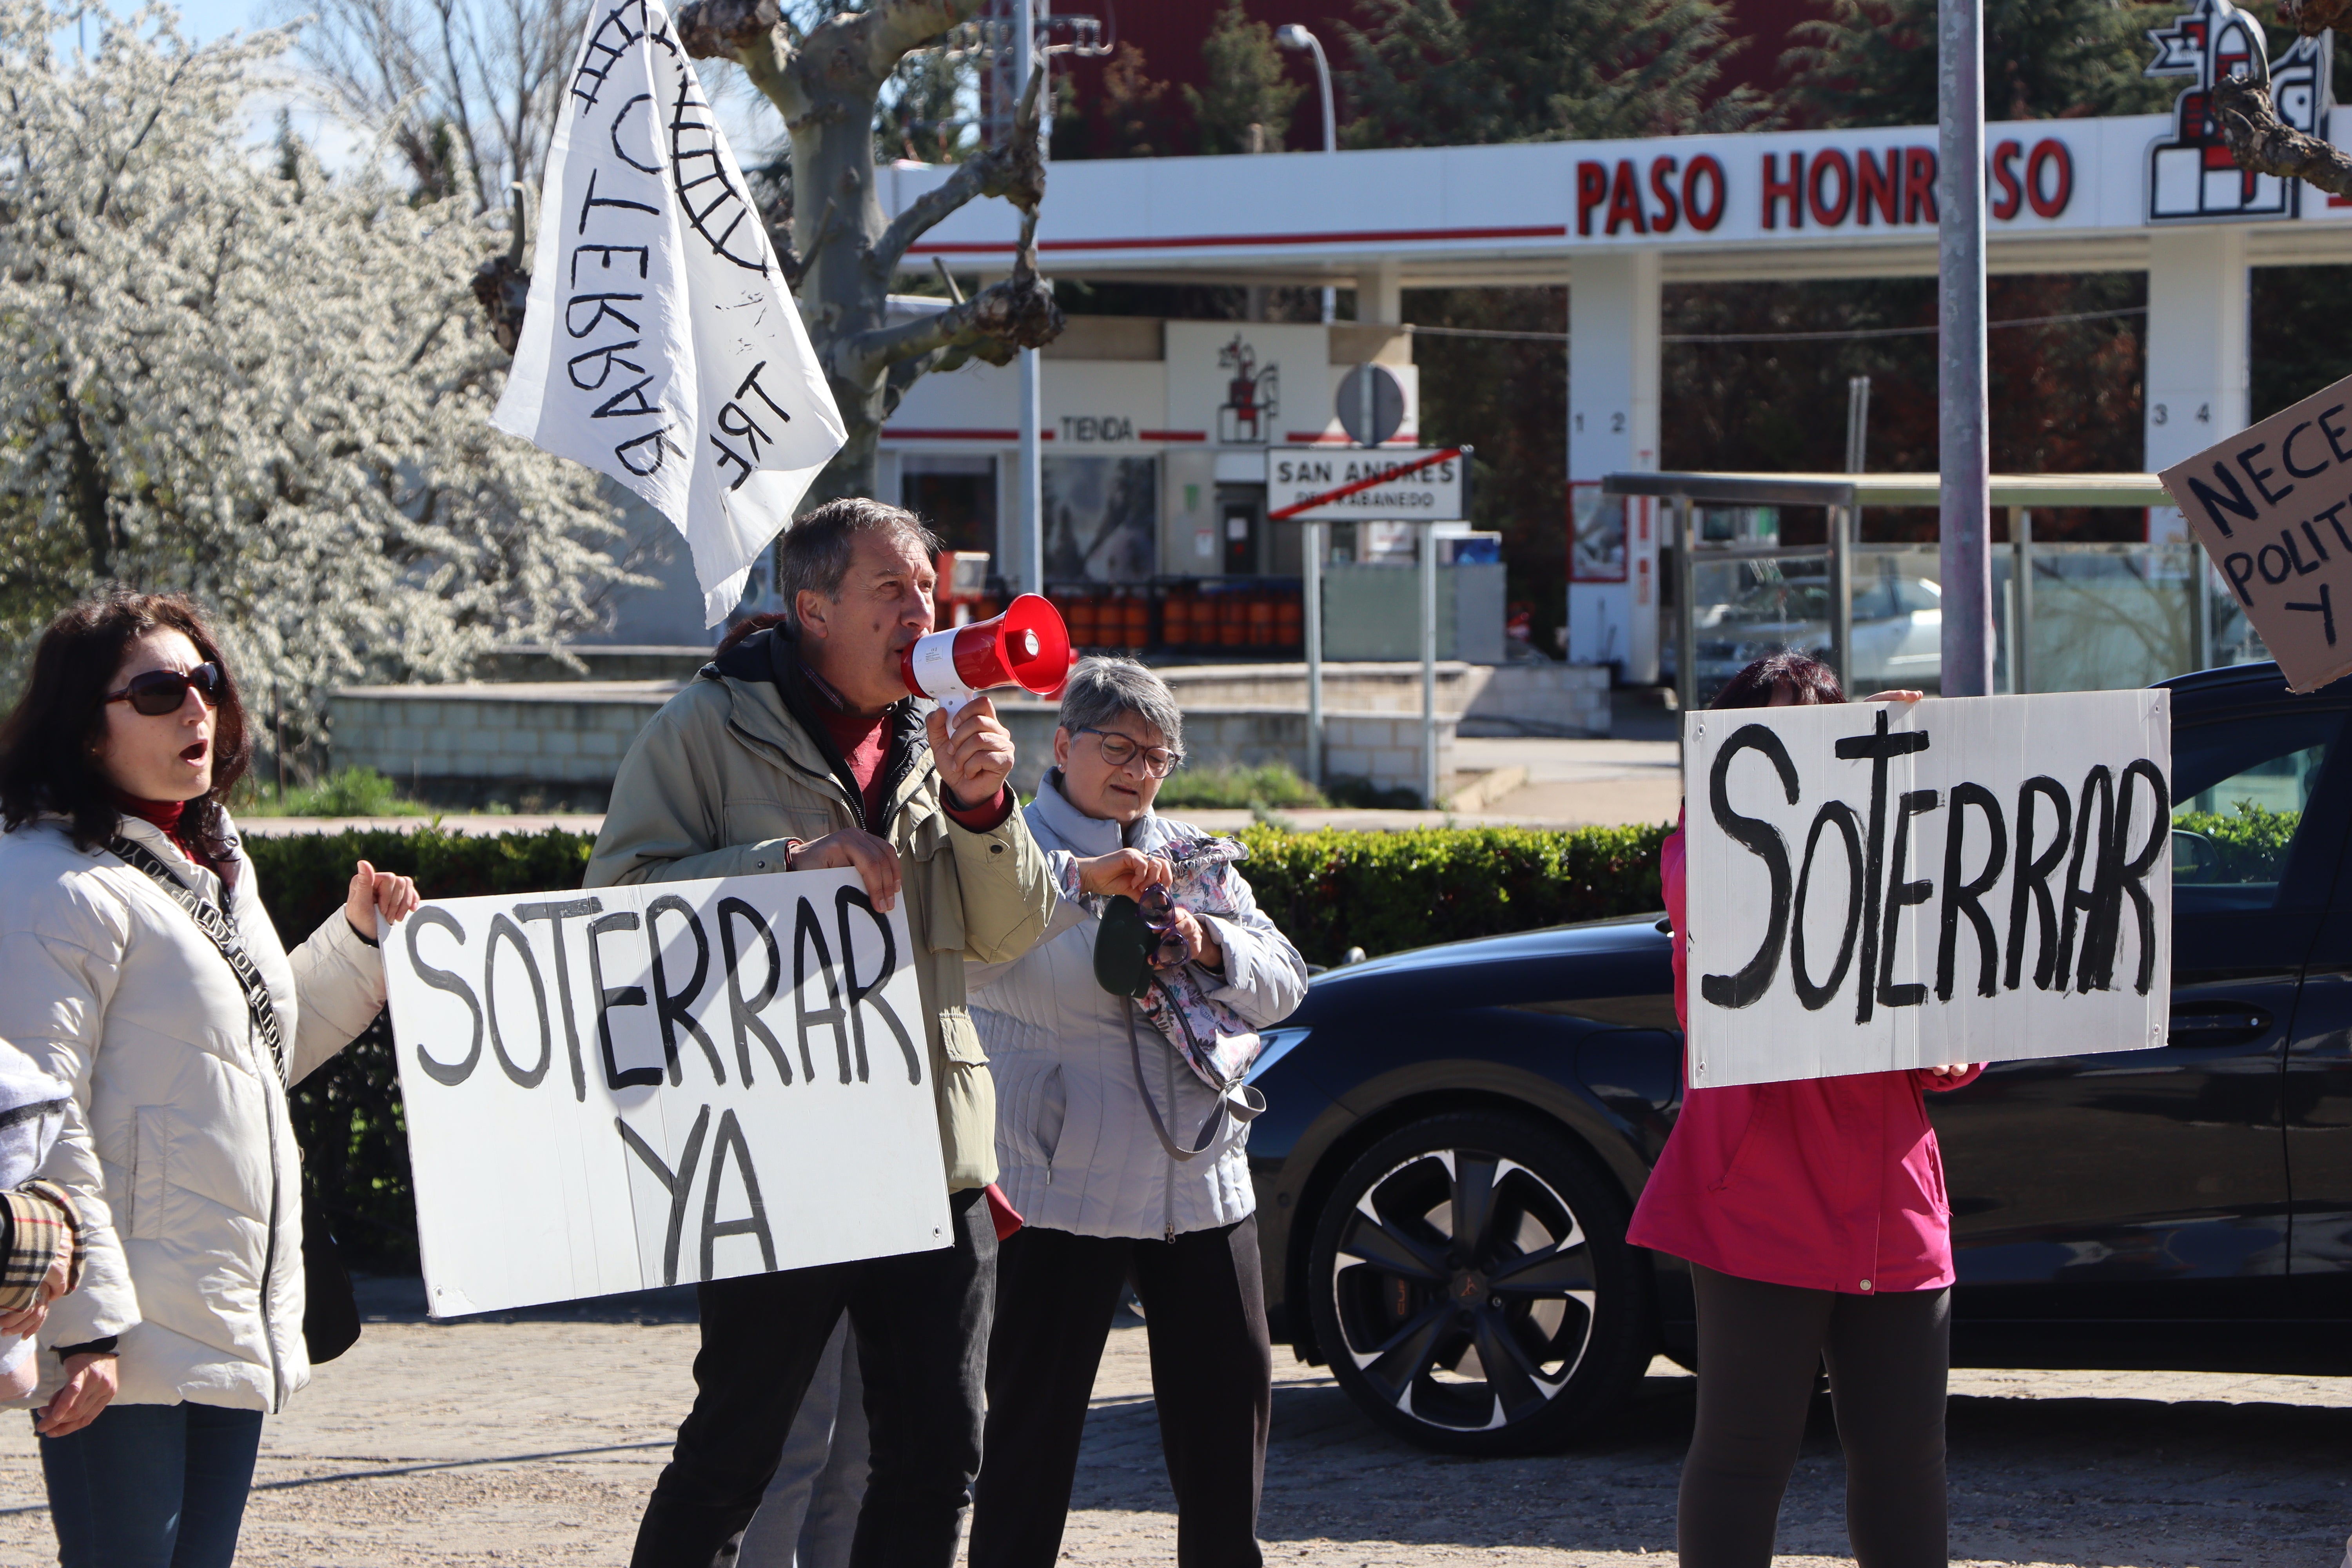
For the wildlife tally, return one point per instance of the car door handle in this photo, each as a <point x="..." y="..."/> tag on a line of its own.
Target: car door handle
<point x="2209" y="1026"/>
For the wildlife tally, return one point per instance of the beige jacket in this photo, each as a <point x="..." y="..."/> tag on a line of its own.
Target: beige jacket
<point x="725" y="773"/>
<point x="177" y="1150"/>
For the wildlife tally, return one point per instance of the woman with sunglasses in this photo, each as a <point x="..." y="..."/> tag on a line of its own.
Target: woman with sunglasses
<point x="138" y="965"/>
<point x="1109" y="1198"/>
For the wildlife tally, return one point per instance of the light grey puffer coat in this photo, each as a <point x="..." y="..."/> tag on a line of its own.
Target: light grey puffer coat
<point x="1075" y="1146"/>
<point x="177" y="1149"/>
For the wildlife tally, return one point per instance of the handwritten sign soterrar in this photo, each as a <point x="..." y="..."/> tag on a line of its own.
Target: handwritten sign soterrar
<point x="1886" y="886"/>
<point x="2272" y="506"/>
<point x="623" y="1087"/>
<point x="660" y="344"/>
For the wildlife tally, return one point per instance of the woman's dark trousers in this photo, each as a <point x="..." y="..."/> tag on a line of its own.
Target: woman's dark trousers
<point x="922" y="1346"/>
<point x="1212" y="1378"/>
<point x="1759" y="1347"/>
<point x="151" y="1486"/>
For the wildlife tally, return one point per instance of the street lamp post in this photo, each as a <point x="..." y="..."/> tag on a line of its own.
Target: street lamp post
<point x="1027" y="58"/>
<point x="1293" y="36"/>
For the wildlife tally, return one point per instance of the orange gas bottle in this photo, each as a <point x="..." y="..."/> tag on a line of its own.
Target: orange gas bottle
<point x="1261" y="620"/>
<point x="1138" y="618"/>
<point x="1289" y="622"/>
<point x="1233" y="620"/>
<point x="1081" y="612"/>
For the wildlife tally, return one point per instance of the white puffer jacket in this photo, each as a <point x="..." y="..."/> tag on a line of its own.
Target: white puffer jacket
<point x="1075" y="1150"/>
<point x="177" y="1151"/>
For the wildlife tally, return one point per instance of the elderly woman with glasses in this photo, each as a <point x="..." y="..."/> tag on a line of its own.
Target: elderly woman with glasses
<point x="1082" y="1097"/>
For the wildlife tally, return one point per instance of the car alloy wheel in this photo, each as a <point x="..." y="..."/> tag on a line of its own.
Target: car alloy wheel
<point x="1472" y="1285"/>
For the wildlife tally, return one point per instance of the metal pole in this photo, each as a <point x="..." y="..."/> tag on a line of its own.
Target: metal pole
<point x="1685" y="611"/>
<point x="2020" y="534"/>
<point x="2201" y="607"/>
<point x="1311" y="540"/>
<point x="1842" y="532"/>
<point x="1964" y="459"/>
<point x="1857" y="424"/>
<point x="1429" y="665"/>
<point x="1293" y="36"/>
<point x="1026" y="57"/>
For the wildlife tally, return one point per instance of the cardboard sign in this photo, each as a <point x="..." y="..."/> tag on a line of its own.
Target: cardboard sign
<point x="1881" y="885"/>
<point x="681" y="368"/>
<point x="2269" y="504"/>
<point x="624" y="1087"/>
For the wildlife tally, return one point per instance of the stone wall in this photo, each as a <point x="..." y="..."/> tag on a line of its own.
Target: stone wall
<point x="464" y="744"/>
<point x="1380" y="748"/>
<point x="562" y="741"/>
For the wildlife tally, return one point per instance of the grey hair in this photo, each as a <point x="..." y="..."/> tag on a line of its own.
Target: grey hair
<point x="1101" y="689"/>
<point x="815" y="553"/>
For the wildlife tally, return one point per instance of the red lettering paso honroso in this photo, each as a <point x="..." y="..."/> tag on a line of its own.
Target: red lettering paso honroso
<point x="1832" y="188"/>
<point x="1696" y="196"/>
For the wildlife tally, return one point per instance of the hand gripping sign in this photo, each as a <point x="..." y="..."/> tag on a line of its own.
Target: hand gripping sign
<point x="1886" y="886"/>
<point x="2272" y="506"/>
<point x="624" y="1087"/>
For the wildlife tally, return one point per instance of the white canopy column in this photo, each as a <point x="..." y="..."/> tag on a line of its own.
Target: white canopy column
<point x="2197" y="309"/>
<point x="1612" y="427"/>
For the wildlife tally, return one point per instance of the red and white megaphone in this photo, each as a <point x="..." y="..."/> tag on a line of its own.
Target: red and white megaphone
<point x="1027" y="647"/>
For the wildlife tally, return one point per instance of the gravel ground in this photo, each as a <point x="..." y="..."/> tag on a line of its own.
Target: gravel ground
<point x="535" y="1442"/>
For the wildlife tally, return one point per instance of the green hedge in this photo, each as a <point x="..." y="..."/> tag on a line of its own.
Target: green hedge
<point x="1331" y="890"/>
<point x="1383" y="892"/>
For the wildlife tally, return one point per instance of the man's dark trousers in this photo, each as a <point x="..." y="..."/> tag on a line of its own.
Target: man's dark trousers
<point x="922" y="1323"/>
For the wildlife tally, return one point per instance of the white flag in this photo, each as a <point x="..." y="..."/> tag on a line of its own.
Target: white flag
<point x="661" y="345"/>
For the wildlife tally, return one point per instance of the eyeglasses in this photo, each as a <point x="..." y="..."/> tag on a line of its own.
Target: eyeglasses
<point x="158" y="692"/>
<point x="1118" y="751"/>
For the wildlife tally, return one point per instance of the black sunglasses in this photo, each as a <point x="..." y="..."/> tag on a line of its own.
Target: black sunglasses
<point x="160" y="691"/>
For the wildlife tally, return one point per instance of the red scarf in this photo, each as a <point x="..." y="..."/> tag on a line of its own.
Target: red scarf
<point x="166" y="815"/>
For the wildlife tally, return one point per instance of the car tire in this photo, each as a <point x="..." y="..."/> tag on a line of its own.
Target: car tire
<point x="1549" y="1288"/>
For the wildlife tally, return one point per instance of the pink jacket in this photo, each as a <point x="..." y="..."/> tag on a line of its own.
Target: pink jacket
<point x="1829" y="1183"/>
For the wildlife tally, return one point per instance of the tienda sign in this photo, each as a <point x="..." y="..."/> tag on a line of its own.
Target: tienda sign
<point x="1830" y="187"/>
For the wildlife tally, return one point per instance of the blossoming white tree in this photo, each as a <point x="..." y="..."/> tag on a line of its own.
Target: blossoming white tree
<point x="265" y="388"/>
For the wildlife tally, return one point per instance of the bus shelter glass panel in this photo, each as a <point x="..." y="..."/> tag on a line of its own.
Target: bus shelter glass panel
<point x="2109" y="617"/>
<point x="1743" y="609"/>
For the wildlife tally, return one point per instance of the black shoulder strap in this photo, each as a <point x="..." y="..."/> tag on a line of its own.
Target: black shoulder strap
<point x="221" y="930"/>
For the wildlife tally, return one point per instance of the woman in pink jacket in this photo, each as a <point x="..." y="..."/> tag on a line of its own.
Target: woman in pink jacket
<point x="1813" y="1216"/>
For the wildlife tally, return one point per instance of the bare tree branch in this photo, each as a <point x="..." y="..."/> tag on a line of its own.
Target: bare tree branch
<point x="2313" y="18"/>
<point x="1016" y="171"/>
<point x="1018" y="313"/>
<point x="2260" y="141"/>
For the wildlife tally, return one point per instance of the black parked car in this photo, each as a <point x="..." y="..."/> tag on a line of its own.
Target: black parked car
<point x="1456" y="1136"/>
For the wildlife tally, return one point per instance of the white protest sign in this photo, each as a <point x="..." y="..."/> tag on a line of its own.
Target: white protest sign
<point x="2269" y="505"/>
<point x="622" y="1087"/>
<point x="660" y="344"/>
<point x="1903" y="885"/>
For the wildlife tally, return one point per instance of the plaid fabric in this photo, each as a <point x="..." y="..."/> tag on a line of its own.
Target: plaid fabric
<point x="41" y="1222"/>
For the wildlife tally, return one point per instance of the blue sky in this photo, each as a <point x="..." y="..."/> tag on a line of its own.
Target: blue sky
<point x="749" y="124"/>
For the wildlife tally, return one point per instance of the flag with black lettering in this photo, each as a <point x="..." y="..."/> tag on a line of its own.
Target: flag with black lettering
<point x="661" y="344"/>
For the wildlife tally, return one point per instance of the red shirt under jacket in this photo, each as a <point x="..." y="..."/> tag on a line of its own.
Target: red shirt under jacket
<point x="1830" y="1184"/>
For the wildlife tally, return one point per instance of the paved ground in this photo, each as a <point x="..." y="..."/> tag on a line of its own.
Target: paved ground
<point x="534" y="1442"/>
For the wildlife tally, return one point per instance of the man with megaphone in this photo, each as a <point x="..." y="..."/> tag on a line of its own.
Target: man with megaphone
<point x="801" y="747"/>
